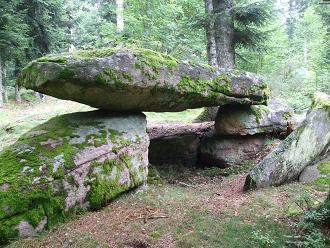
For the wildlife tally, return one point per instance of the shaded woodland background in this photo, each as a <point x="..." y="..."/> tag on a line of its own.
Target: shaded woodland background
<point x="286" y="41"/>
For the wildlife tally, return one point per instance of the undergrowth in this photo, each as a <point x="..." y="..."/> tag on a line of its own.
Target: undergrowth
<point x="232" y="170"/>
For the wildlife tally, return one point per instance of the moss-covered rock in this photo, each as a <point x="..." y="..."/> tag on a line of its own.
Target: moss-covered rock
<point x="306" y="145"/>
<point x="71" y="163"/>
<point x="256" y="119"/>
<point x="139" y="80"/>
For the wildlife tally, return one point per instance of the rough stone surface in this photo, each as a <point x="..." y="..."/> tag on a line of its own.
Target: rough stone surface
<point x="139" y="80"/>
<point x="227" y="151"/>
<point x="309" y="174"/>
<point x="318" y="172"/>
<point x="79" y="161"/>
<point x="176" y="143"/>
<point x="300" y="149"/>
<point x="250" y="120"/>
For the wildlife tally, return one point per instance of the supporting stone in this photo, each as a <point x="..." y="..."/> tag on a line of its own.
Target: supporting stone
<point x="177" y="144"/>
<point x="71" y="163"/>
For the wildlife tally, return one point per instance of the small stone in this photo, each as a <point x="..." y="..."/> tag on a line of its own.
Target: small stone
<point x="25" y="229"/>
<point x="26" y="169"/>
<point x="309" y="174"/>
<point x="52" y="143"/>
<point x="4" y="187"/>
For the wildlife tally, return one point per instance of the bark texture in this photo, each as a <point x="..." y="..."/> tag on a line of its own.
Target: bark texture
<point x="120" y="15"/>
<point x="1" y="85"/>
<point x="224" y="26"/>
<point x="18" y="96"/>
<point x="210" y="34"/>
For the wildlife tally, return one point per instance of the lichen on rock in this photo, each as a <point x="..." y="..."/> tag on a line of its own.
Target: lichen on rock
<point x="45" y="177"/>
<point x="307" y="144"/>
<point x="255" y="119"/>
<point x="122" y="79"/>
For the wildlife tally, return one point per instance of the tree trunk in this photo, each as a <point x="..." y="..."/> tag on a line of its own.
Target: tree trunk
<point x="290" y="20"/>
<point x="71" y="28"/>
<point x="18" y="96"/>
<point x="210" y="35"/>
<point x="4" y="79"/>
<point x="120" y="15"/>
<point x="220" y="43"/>
<point x="1" y="85"/>
<point x="224" y="37"/>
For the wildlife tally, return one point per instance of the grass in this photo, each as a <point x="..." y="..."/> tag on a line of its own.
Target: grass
<point x="171" y="215"/>
<point x="186" y="116"/>
<point x="16" y="120"/>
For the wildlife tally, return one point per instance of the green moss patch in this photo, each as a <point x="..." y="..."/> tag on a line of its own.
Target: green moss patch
<point x="287" y="115"/>
<point x="324" y="168"/>
<point x="66" y="73"/>
<point x="258" y="111"/>
<point x="113" y="77"/>
<point x="37" y="172"/>
<point x="322" y="101"/>
<point x="220" y="84"/>
<point x="323" y="182"/>
<point x="154" y="176"/>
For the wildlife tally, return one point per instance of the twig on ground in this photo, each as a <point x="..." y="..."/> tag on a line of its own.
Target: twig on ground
<point x="185" y="184"/>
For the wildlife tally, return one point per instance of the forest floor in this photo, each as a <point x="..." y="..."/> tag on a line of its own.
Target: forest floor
<point x="186" y="208"/>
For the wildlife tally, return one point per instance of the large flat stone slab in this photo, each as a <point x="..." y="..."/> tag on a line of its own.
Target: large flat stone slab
<point x="139" y="80"/>
<point x="71" y="163"/>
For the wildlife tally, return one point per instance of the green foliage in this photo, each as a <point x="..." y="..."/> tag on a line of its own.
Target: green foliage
<point x="13" y="31"/>
<point x="232" y="170"/>
<point x="309" y="221"/>
<point x="154" y="176"/>
<point x="296" y="64"/>
<point x="165" y="26"/>
<point x="250" y="17"/>
<point x="263" y="240"/>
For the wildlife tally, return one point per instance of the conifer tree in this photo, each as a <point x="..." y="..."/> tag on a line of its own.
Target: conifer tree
<point x="231" y="24"/>
<point x="13" y="38"/>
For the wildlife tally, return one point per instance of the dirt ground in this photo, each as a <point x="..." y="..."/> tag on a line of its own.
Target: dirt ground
<point x="185" y="214"/>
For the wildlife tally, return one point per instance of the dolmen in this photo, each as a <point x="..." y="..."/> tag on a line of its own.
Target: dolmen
<point x="81" y="161"/>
